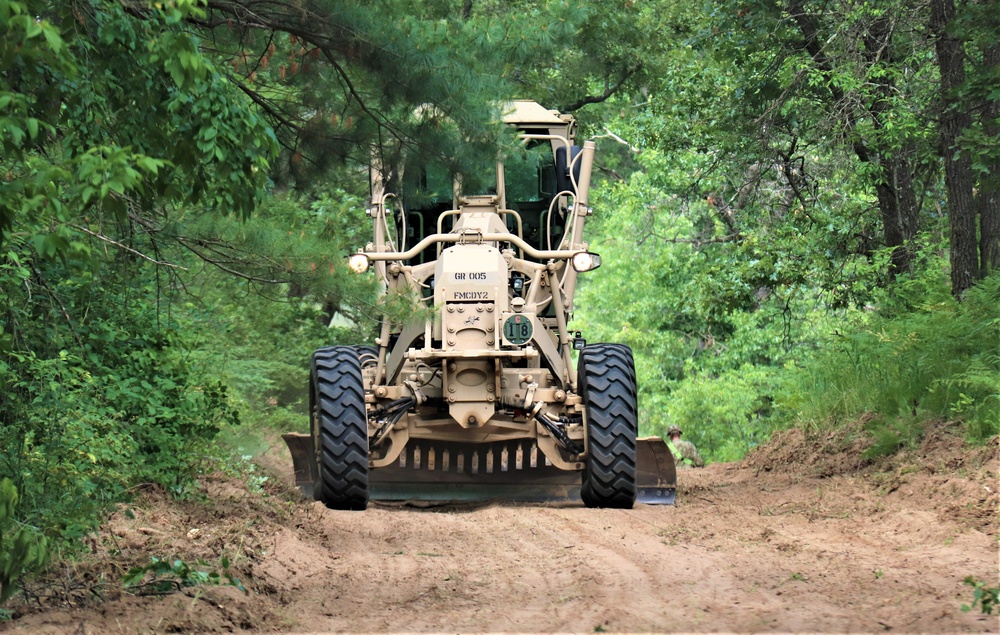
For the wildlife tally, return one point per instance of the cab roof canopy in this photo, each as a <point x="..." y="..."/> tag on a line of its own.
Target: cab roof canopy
<point x="525" y="111"/>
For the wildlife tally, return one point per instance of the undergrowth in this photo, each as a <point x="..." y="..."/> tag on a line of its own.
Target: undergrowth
<point x="922" y="356"/>
<point x="162" y="576"/>
<point x="735" y="402"/>
<point x="984" y="598"/>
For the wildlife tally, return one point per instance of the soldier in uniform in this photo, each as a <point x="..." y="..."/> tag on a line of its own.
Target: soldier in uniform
<point x="685" y="454"/>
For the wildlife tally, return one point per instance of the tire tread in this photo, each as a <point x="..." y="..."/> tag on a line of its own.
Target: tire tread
<point x="608" y="386"/>
<point x="340" y="428"/>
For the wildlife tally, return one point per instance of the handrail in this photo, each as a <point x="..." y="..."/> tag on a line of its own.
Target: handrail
<point x="517" y="217"/>
<point x="540" y="254"/>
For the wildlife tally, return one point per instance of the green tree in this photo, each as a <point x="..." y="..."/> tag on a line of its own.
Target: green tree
<point x="148" y="153"/>
<point x="801" y="173"/>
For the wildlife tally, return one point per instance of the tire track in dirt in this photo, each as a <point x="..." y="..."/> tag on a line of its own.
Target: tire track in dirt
<point x="626" y="576"/>
<point x="796" y="548"/>
<point x="740" y="552"/>
<point x="472" y="568"/>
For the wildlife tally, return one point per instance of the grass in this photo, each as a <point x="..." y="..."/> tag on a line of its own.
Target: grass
<point x="937" y="359"/>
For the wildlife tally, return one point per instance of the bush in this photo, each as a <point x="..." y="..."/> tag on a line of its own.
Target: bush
<point x="925" y="356"/>
<point x="723" y="415"/>
<point x="23" y="549"/>
<point x="81" y="433"/>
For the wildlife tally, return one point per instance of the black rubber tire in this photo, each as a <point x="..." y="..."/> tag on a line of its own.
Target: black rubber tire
<point x="340" y="428"/>
<point x="606" y="374"/>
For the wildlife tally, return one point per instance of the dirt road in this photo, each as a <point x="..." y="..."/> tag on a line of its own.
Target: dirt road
<point x="798" y="537"/>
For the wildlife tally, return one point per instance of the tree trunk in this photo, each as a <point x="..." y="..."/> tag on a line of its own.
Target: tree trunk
<point x="957" y="164"/>
<point x="897" y="201"/>
<point x="897" y="204"/>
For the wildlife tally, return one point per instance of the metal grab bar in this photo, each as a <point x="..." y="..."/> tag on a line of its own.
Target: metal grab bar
<point x="540" y="254"/>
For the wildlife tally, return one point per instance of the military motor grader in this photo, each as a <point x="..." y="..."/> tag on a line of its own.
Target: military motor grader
<point x="482" y="400"/>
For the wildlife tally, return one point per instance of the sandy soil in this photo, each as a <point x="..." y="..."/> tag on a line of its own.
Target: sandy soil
<point x="800" y="536"/>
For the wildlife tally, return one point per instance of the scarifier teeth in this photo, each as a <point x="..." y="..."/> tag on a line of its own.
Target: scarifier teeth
<point x="498" y="457"/>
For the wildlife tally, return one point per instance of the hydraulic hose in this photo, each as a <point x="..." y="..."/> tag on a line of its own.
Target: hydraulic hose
<point x="557" y="430"/>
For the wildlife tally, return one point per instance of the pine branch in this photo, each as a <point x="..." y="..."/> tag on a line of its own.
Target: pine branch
<point x="213" y="253"/>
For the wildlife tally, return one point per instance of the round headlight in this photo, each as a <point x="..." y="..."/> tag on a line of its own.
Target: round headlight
<point x="358" y="263"/>
<point x="586" y="261"/>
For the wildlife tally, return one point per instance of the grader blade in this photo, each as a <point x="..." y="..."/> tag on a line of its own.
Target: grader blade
<point x="303" y="452"/>
<point x="656" y="473"/>
<point x="512" y="471"/>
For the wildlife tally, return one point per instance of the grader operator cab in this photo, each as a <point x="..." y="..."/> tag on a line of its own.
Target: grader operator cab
<point x="479" y="398"/>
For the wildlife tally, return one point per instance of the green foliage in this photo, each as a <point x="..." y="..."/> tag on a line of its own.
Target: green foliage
<point x="891" y="434"/>
<point x="725" y="416"/>
<point x="710" y="322"/>
<point x="108" y="118"/>
<point x="941" y="359"/>
<point x="338" y="80"/>
<point x="983" y="597"/>
<point x="258" y="335"/>
<point x="93" y="130"/>
<point x="23" y="549"/>
<point x="242" y="467"/>
<point x="163" y="577"/>
<point x="82" y="432"/>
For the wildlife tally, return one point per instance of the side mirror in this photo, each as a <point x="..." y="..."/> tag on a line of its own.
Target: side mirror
<point x="563" y="160"/>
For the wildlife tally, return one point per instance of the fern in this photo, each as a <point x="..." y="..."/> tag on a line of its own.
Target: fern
<point x="938" y="359"/>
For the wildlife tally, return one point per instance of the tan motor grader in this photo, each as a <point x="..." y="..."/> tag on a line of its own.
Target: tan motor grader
<point x="482" y="400"/>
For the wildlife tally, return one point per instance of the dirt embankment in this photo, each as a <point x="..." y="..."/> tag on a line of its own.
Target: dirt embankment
<point x="800" y="536"/>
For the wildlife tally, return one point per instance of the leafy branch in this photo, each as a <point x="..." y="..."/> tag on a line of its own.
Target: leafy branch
<point x="606" y="95"/>
<point x="163" y="577"/>
<point x="983" y="597"/>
